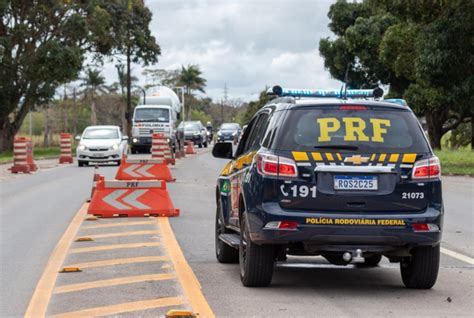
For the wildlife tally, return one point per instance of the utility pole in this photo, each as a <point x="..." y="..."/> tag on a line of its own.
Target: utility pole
<point x="74" y="122"/>
<point x="224" y="101"/>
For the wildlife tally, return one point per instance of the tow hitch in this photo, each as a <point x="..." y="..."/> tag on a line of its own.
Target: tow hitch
<point x="353" y="256"/>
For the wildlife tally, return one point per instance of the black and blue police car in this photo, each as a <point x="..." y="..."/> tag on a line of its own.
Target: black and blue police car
<point x="341" y="174"/>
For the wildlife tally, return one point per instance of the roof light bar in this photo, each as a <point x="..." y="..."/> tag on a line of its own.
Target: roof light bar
<point x="351" y="93"/>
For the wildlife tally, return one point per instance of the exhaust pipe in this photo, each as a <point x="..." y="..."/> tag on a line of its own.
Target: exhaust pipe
<point x="353" y="257"/>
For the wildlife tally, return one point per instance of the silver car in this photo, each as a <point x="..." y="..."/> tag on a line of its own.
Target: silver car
<point x="101" y="144"/>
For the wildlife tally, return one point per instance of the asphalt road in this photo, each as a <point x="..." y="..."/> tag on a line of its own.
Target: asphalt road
<point x="36" y="209"/>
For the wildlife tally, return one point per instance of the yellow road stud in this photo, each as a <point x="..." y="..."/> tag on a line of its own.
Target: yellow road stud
<point x="180" y="314"/>
<point x="70" y="270"/>
<point x="84" y="239"/>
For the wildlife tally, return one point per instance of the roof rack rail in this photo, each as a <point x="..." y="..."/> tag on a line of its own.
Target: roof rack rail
<point x="348" y="93"/>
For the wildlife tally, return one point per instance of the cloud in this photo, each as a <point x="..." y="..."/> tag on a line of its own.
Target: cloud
<point x="246" y="44"/>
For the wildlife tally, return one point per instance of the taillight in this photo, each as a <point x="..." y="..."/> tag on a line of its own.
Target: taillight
<point x="282" y="225"/>
<point x="424" y="227"/>
<point x="427" y="169"/>
<point x="272" y="165"/>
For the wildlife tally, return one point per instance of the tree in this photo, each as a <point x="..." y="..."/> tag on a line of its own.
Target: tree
<point x="44" y="46"/>
<point x="122" y="86"/>
<point x="94" y="84"/>
<point x="163" y="77"/>
<point x="190" y="77"/>
<point x="254" y="106"/>
<point x="422" y="49"/>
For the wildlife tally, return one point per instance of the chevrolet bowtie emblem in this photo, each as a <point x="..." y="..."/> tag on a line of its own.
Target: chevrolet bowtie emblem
<point x="357" y="160"/>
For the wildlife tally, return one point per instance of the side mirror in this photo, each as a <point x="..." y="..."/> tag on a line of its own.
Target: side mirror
<point x="78" y="137"/>
<point x="124" y="137"/>
<point x="223" y="150"/>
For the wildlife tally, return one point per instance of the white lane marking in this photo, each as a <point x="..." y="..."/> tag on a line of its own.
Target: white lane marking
<point x="132" y="199"/>
<point x="130" y="171"/>
<point x="111" y="199"/>
<point x="458" y="256"/>
<point x="144" y="171"/>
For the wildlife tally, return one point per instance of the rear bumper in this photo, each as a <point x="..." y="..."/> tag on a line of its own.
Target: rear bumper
<point x="389" y="230"/>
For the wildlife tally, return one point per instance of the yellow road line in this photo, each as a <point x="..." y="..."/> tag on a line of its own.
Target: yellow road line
<point x="117" y="234"/>
<point x="97" y="226"/>
<point x="112" y="247"/>
<point x="42" y="294"/>
<point x="120" y="261"/>
<point x="112" y="282"/>
<point x="185" y="274"/>
<point x="123" y="308"/>
<point x="458" y="256"/>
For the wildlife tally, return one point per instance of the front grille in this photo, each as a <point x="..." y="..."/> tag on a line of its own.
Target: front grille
<point x="149" y="131"/>
<point x="98" y="149"/>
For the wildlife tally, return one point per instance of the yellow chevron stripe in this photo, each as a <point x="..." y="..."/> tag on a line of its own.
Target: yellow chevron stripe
<point x="339" y="157"/>
<point x="394" y="157"/>
<point x="329" y="156"/>
<point x="300" y="156"/>
<point x="317" y="156"/>
<point x="372" y="158"/>
<point x="382" y="157"/>
<point x="409" y="158"/>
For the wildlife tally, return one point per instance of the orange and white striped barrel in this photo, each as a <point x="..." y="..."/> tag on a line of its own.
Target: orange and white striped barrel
<point x="20" y="162"/>
<point x="29" y="155"/>
<point x="158" y="145"/>
<point x="65" y="141"/>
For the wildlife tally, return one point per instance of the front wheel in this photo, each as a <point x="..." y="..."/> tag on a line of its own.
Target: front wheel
<point x="421" y="270"/>
<point x="255" y="261"/>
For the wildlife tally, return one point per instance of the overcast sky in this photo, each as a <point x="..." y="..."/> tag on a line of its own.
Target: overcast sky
<point x="247" y="44"/>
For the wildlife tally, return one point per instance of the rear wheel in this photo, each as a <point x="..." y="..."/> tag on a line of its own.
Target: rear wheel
<point x="200" y="143"/>
<point x="118" y="162"/>
<point x="205" y="144"/>
<point x="255" y="261"/>
<point x="224" y="252"/>
<point x="421" y="270"/>
<point x="82" y="163"/>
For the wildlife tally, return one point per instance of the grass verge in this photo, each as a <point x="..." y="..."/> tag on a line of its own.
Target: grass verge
<point x="38" y="153"/>
<point x="456" y="162"/>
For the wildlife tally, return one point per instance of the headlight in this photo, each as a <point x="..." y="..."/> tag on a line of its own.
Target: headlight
<point x="115" y="147"/>
<point x="219" y="133"/>
<point x="135" y="140"/>
<point x="168" y="140"/>
<point x="81" y="147"/>
<point x="234" y="134"/>
<point x="196" y="133"/>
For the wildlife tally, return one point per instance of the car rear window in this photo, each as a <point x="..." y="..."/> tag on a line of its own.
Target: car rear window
<point x="355" y="129"/>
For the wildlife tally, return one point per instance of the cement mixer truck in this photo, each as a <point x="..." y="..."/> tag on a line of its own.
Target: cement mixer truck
<point x="157" y="112"/>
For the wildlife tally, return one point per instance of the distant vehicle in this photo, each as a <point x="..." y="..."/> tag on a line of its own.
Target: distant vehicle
<point x="229" y="132"/>
<point x="210" y="132"/>
<point x="194" y="131"/>
<point x="348" y="179"/>
<point x="156" y="113"/>
<point x="101" y="144"/>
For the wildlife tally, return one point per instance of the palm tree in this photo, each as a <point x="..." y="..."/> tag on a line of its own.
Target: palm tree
<point x="190" y="78"/>
<point x="93" y="83"/>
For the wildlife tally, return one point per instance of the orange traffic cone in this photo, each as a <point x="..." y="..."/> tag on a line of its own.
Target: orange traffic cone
<point x="190" y="148"/>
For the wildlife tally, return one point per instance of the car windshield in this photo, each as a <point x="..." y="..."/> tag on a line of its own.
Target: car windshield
<point x="151" y="115"/>
<point x="191" y="126"/>
<point x="352" y="130"/>
<point x="230" y="127"/>
<point x="101" y="133"/>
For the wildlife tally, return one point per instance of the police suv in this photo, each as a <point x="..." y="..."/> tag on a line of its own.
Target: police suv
<point x="341" y="174"/>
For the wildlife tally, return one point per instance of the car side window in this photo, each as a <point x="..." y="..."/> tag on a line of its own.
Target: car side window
<point x="259" y="131"/>
<point x="242" y="147"/>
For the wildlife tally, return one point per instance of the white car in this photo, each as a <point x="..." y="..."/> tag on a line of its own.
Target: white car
<point x="101" y="144"/>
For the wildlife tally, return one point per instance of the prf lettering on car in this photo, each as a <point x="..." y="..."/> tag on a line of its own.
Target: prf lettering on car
<point x="354" y="127"/>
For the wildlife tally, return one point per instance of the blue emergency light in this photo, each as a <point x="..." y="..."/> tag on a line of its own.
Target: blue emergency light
<point x="398" y="101"/>
<point x="349" y="93"/>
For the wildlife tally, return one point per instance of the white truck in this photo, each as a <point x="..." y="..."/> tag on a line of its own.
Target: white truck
<point x="157" y="112"/>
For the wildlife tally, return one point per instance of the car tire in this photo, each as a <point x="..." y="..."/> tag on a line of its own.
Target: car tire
<point x="224" y="253"/>
<point x="256" y="262"/>
<point x="80" y="163"/>
<point x="118" y="162"/>
<point x="421" y="270"/>
<point x="370" y="261"/>
<point x="200" y="143"/>
<point x="205" y="144"/>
